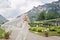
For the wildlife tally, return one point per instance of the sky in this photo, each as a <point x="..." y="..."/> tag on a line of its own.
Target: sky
<point x="12" y="8"/>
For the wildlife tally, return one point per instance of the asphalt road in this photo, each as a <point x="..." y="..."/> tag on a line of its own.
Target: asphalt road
<point x="32" y="36"/>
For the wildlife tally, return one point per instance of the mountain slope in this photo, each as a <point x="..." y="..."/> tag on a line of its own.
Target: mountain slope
<point x="2" y="19"/>
<point x="54" y="7"/>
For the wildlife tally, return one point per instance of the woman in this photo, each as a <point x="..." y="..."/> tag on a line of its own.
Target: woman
<point x="25" y="26"/>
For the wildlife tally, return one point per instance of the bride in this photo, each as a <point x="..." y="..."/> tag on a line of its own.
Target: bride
<point x="25" y="26"/>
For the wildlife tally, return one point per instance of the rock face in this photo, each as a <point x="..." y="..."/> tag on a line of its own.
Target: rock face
<point x="54" y="7"/>
<point x="2" y="19"/>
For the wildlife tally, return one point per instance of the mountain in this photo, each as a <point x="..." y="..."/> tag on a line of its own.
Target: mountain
<point x="49" y="7"/>
<point x="2" y="20"/>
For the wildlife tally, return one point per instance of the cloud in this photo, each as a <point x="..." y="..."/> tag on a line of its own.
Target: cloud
<point x="22" y="3"/>
<point x="9" y="13"/>
<point x="12" y="8"/>
<point x="4" y="4"/>
<point x="25" y="5"/>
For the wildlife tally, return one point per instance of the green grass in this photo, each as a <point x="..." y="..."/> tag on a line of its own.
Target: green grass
<point x="1" y="33"/>
<point x="51" y="31"/>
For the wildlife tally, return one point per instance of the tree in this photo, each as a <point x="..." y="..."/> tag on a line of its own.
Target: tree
<point x="41" y="16"/>
<point x="51" y="15"/>
<point x="46" y="16"/>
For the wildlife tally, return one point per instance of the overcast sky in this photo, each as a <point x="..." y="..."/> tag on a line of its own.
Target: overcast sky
<point x="12" y="8"/>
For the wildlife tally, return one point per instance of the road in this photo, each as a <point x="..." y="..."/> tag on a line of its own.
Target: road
<point x="19" y="32"/>
<point x="32" y="36"/>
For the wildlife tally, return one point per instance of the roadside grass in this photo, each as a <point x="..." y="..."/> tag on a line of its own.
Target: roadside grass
<point x="50" y="33"/>
<point x="1" y="33"/>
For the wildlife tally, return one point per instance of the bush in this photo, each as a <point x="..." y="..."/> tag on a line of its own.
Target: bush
<point x="40" y="29"/>
<point x="58" y="27"/>
<point x="58" y="31"/>
<point x="37" y="29"/>
<point x="33" y="29"/>
<point x="53" y="28"/>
